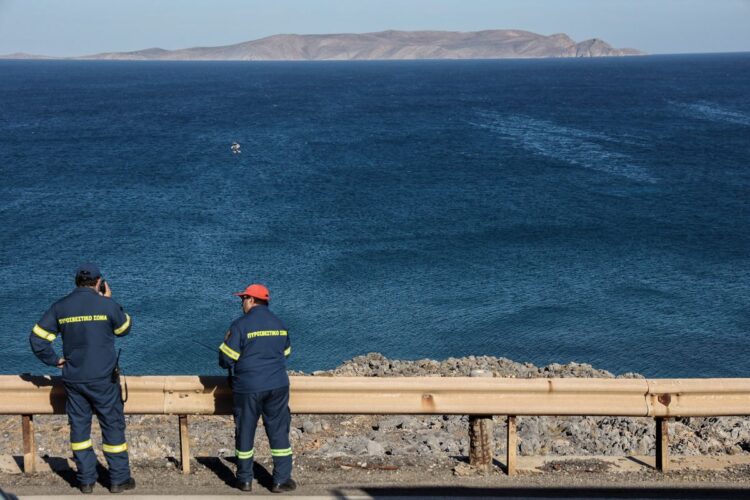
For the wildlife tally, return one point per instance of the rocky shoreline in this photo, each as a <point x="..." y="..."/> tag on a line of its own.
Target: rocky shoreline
<point x="418" y="439"/>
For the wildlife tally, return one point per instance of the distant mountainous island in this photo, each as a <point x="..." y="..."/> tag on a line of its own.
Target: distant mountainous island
<point x="384" y="45"/>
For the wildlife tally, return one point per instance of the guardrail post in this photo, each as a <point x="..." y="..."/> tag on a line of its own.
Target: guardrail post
<point x="184" y="445"/>
<point x="29" y="444"/>
<point x="511" y="445"/>
<point x="662" y="444"/>
<point x="480" y="435"/>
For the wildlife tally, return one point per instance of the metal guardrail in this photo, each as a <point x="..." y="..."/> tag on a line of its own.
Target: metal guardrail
<point x="479" y="397"/>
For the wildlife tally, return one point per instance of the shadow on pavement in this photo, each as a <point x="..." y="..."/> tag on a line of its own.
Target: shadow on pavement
<point x="641" y="462"/>
<point x="219" y="467"/>
<point x="526" y="492"/>
<point x="59" y="466"/>
<point x="262" y="475"/>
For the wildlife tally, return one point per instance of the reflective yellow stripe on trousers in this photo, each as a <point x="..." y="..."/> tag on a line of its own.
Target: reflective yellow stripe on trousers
<point x="281" y="453"/>
<point x="114" y="448"/>
<point x="244" y="455"/>
<point x="81" y="445"/>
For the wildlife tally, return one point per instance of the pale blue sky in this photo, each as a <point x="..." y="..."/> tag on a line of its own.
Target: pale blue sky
<point x="77" y="27"/>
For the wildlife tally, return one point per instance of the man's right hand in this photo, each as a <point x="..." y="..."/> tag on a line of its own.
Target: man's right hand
<point x="107" y="290"/>
<point x="61" y="362"/>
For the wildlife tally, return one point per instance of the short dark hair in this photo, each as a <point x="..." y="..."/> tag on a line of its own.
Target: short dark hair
<point x="256" y="299"/>
<point x="83" y="280"/>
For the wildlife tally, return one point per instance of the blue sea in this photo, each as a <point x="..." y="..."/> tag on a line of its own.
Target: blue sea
<point x="590" y="210"/>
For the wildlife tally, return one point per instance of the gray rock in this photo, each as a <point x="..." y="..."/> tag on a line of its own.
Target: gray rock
<point x="412" y="423"/>
<point x="358" y="445"/>
<point x="375" y="449"/>
<point x="433" y="443"/>
<point x="390" y="423"/>
<point x="529" y="446"/>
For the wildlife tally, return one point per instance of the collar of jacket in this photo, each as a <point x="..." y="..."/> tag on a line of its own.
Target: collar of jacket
<point x="257" y="306"/>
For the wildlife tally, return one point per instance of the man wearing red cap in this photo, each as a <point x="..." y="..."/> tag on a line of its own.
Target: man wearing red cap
<point x="256" y="347"/>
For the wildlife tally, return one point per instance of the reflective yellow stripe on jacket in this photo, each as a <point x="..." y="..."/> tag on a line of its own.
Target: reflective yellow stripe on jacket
<point x="231" y="353"/>
<point x="288" y="351"/>
<point x="41" y="332"/>
<point x="124" y="326"/>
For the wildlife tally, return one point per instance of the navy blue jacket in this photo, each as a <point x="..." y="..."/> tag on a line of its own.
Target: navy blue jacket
<point x="257" y="345"/>
<point x="89" y="324"/>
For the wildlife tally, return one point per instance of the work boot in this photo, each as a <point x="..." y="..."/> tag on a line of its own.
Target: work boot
<point x="245" y="485"/>
<point x="119" y="488"/>
<point x="86" y="488"/>
<point x="290" y="485"/>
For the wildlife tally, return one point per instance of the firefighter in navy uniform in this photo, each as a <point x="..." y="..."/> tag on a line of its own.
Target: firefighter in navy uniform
<point x="89" y="321"/>
<point x="256" y="347"/>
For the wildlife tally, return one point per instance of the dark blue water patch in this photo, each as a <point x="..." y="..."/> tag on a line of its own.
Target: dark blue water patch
<point x="545" y="211"/>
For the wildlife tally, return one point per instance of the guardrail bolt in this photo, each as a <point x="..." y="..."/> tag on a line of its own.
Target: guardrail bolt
<point x="480" y="435"/>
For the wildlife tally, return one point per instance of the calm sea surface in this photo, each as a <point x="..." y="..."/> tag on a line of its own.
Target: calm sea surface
<point x="545" y="211"/>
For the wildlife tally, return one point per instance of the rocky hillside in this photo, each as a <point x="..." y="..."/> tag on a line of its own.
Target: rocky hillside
<point x="387" y="45"/>
<point x="23" y="55"/>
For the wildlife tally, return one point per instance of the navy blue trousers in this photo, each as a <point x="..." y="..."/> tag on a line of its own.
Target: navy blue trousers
<point x="273" y="405"/>
<point x="103" y="398"/>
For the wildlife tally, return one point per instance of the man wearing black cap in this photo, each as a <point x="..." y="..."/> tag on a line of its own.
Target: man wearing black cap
<point x="89" y="320"/>
<point x="256" y="346"/>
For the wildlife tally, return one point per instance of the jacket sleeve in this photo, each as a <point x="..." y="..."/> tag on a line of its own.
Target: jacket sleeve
<point x="288" y="346"/>
<point x="230" y="349"/>
<point x="42" y="336"/>
<point x="119" y="320"/>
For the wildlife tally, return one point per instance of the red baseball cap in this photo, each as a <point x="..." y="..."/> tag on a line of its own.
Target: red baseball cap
<point x="255" y="290"/>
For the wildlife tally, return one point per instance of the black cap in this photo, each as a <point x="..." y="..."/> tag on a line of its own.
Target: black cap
<point x="88" y="270"/>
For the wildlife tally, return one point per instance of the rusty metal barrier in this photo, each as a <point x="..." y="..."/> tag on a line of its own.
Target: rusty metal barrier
<point x="478" y="397"/>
